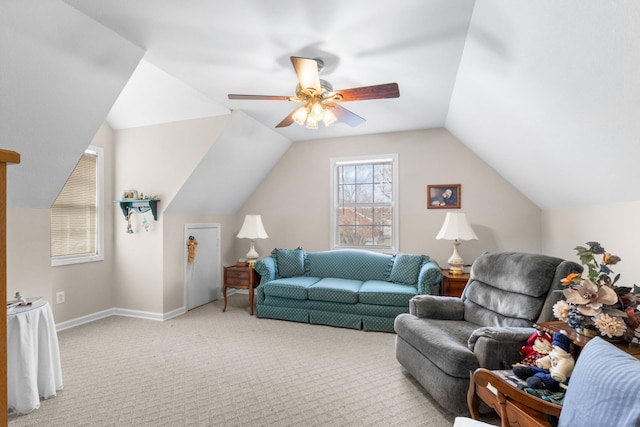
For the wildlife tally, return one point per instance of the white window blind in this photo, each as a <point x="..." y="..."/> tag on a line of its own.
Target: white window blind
<point x="75" y="215"/>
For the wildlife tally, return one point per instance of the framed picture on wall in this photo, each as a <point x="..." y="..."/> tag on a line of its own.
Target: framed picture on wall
<point x="443" y="196"/>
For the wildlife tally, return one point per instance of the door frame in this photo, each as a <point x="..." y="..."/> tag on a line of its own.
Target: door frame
<point x="218" y="261"/>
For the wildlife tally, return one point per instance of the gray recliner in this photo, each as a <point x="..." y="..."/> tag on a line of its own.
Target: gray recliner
<point x="443" y="339"/>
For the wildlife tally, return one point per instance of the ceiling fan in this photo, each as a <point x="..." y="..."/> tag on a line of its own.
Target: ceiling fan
<point x="319" y="100"/>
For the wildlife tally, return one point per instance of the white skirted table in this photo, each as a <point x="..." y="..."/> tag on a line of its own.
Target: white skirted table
<point x="33" y="356"/>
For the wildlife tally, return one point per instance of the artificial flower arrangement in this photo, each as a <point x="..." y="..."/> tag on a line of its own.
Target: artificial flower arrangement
<point x="597" y="301"/>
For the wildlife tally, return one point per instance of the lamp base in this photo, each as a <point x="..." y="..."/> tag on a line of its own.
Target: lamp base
<point x="252" y="255"/>
<point x="456" y="262"/>
<point x="456" y="270"/>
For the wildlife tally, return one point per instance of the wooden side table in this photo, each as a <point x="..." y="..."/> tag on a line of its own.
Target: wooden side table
<point x="453" y="284"/>
<point x="515" y="407"/>
<point x="240" y="278"/>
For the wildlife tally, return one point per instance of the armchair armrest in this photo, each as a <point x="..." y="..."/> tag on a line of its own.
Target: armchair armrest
<point x="437" y="307"/>
<point x="266" y="268"/>
<point x="497" y="346"/>
<point x="429" y="278"/>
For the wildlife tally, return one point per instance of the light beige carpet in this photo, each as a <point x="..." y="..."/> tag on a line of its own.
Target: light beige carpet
<point x="209" y="368"/>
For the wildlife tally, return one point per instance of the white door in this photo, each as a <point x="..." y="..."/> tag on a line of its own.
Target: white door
<point x="202" y="268"/>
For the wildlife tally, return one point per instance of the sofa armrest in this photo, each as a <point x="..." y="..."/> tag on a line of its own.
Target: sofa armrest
<point x="498" y="347"/>
<point x="266" y="268"/>
<point x="436" y="307"/>
<point x="429" y="278"/>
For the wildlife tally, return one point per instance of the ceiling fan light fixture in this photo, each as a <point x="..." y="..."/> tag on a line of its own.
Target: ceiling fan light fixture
<point x="300" y="115"/>
<point x="317" y="111"/>
<point x="328" y="117"/>
<point x="311" y="122"/>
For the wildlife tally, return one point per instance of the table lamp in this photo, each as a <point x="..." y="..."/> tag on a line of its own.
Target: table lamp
<point x="252" y="228"/>
<point x="456" y="228"/>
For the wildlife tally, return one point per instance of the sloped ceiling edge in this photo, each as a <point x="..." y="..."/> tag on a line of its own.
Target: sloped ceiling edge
<point x="58" y="83"/>
<point x="232" y="169"/>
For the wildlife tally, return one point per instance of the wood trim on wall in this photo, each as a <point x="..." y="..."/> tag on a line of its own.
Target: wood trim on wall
<point x="5" y="158"/>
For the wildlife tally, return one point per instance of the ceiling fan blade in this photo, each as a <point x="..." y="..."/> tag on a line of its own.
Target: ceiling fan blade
<point x="344" y="115"/>
<point x="259" y="97"/>
<point x="307" y="72"/>
<point x="387" y="90"/>
<point x="287" y="121"/>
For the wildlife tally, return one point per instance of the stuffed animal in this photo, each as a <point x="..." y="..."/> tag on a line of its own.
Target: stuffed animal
<point x="552" y="369"/>
<point x="538" y="346"/>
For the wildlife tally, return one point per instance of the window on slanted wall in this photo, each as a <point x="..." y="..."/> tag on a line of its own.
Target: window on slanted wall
<point x="365" y="203"/>
<point x="77" y="213"/>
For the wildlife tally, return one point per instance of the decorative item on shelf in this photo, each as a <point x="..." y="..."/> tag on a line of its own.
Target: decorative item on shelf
<point x="145" y="223"/>
<point x="130" y="195"/>
<point x="456" y="228"/>
<point x="252" y="228"/>
<point x="129" y="228"/>
<point x="598" y="303"/>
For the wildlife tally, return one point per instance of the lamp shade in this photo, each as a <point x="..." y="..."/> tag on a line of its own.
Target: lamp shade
<point x="252" y="228"/>
<point x="456" y="227"/>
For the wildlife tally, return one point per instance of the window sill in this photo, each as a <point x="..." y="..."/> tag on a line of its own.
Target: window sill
<point x="58" y="262"/>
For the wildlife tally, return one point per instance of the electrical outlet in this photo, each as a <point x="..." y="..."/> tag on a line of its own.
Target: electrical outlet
<point x="60" y="297"/>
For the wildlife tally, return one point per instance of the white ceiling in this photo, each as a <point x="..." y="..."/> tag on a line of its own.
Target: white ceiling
<point x="222" y="47"/>
<point x="545" y="92"/>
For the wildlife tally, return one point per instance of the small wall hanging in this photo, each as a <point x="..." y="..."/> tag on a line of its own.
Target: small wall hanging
<point x="443" y="196"/>
<point x="191" y="249"/>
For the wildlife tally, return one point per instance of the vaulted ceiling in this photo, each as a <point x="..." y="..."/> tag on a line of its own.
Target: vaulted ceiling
<point x="545" y="92"/>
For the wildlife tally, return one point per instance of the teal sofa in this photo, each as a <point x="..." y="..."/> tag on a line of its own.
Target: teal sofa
<point x="346" y="288"/>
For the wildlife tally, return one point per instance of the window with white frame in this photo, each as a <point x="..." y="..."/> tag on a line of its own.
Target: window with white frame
<point x="77" y="213"/>
<point x="364" y="202"/>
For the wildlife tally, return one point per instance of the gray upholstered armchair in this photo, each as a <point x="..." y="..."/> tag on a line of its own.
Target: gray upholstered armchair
<point x="443" y="339"/>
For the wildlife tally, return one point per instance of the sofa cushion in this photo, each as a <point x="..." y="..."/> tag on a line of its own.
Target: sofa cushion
<point x="336" y="290"/>
<point x="289" y="262"/>
<point x="386" y="293"/>
<point x="349" y="264"/>
<point x="290" y="287"/>
<point x="603" y="389"/>
<point x="406" y="268"/>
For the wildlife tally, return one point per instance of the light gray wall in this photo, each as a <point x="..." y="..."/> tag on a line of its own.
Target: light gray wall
<point x="614" y="226"/>
<point x="144" y="271"/>
<point x="294" y="198"/>
<point x="156" y="160"/>
<point x="88" y="287"/>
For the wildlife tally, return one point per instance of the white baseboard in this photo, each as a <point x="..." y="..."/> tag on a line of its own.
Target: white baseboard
<point x="119" y="312"/>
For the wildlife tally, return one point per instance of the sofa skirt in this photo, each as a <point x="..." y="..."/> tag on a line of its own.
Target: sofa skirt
<point x="354" y="316"/>
<point x="341" y="320"/>
<point x="282" y="313"/>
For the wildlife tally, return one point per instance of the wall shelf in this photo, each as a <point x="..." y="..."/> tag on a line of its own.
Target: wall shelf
<point x="141" y="206"/>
